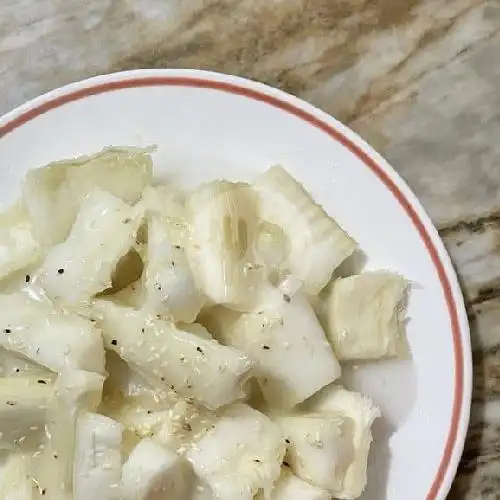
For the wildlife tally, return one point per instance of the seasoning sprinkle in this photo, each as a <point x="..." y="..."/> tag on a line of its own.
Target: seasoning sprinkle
<point x="27" y="278"/>
<point x="286" y="298"/>
<point x="42" y="382"/>
<point x="199" y="349"/>
<point x="266" y="347"/>
<point x="114" y="342"/>
<point x="60" y="270"/>
<point x="7" y="330"/>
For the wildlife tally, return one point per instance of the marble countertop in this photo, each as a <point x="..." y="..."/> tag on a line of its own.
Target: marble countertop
<point x="419" y="79"/>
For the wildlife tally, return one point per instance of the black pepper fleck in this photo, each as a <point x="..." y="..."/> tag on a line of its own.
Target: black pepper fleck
<point x="162" y="379"/>
<point x="114" y="342"/>
<point x="286" y="464"/>
<point x="199" y="349"/>
<point x="11" y="403"/>
<point x="42" y="382"/>
<point x="7" y="330"/>
<point x="286" y="298"/>
<point x="287" y="441"/>
<point x="178" y="247"/>
<point x="257" y="461"/>
<point x="27" y="278"/>
<point x="266" y="347"/>
<point x="60" y="270"/>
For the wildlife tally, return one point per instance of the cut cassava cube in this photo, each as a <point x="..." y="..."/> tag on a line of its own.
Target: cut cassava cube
<point x="365" y="315"/>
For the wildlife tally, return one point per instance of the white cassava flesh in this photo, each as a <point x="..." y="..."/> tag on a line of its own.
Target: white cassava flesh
<point x="15" y="481"/>
<point x="365" y="315"/>
<point x="25" y="404"/>
<point x="167" y="356"/>
<point x="317" y="244"/>
<point x="320" y="447"/>
<point x="201" y="491"/>
<point x="169" y="205"/>
<point x="59" y="340"/>
<point x="152" y="472"/>
<point x="53" y="194"/>
<point x="291" y="487"/>
<point x="293" y="357"/>
<point x="98" y="461"/>
<point x="241" y="455"/>
<point x="82" y="266"/>
<point x="166" y="417"/>
<point x="169" y="284"/>
<point x="75" y="392"/>
<point x="15" y="365"/>
<point x="18" y="248"/>
<point x="361" y="412"/>
<point x="124" y="383"/>
<point x="184" y="424"/>
<point x="224" y="221"/>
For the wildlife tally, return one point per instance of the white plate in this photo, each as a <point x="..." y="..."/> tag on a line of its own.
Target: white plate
<point x="209" y="125"/>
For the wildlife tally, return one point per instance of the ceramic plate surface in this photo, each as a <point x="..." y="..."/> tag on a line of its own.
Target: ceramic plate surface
<point x="208" y="125"/>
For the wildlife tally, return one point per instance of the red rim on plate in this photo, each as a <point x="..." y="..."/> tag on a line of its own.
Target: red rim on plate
<point x="150" y="81"/>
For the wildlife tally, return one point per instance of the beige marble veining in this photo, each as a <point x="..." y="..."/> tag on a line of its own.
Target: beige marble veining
<point x="419" y="79"/>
